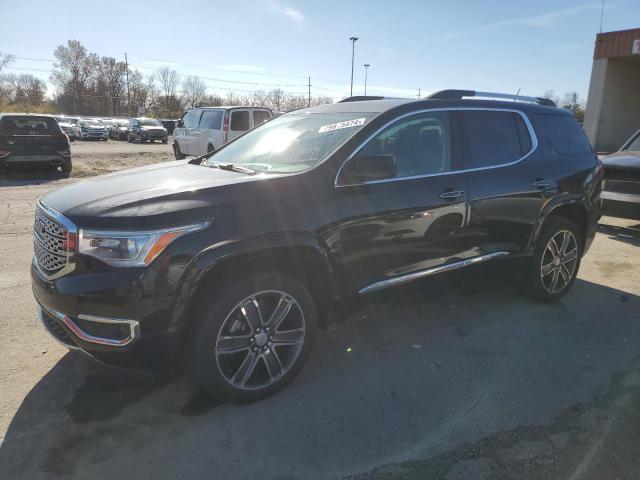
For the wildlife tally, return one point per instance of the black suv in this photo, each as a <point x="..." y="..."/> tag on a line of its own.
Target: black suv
<point x="230" y="261"/>
<point x="28" y="140"/>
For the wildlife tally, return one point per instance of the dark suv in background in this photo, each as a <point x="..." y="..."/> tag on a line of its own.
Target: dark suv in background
<point x="230" y="261"/>
<point x="146" y="130"/>
<point x="28" y="140"/>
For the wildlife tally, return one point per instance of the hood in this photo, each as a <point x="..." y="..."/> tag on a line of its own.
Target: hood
<point x="623" y="158"/>
<point x="170" y="193"/>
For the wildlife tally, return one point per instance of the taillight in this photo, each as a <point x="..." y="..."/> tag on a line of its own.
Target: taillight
<point x="225" y="125"/>
<point x="65" y="152"/>
<point x="4" y="153"/>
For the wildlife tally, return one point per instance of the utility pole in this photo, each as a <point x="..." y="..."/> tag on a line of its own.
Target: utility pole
<point x="366" y="72"/>
<point x="418" y="94"/>
<point x="126" y="69"/>
<point x="353" y="53"/>
<point x="309" y="97"/>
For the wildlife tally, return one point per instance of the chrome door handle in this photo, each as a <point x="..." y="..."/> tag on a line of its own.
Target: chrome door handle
<point x="451" y="195"/>
<point x="542" y="183"/>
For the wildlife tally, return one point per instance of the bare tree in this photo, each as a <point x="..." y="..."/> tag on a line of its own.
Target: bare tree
<point x="194" y="91"/>
<point x="112" y="75"/>
<point x="6" y="59"/>
<point x="168" y="80"/>
<point x="74" y="71"/>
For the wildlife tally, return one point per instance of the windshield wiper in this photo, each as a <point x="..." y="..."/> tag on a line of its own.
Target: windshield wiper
<point x="234" y="168"/>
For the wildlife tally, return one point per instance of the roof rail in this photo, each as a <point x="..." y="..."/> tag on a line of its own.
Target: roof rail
<point x="460" y="94"/>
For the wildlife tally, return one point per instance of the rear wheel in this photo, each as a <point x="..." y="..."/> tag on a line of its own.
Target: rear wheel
<point x="176" y="152"/>
<point x="253" y="337"/>
<point x="210" y="148"/>
<point x="65" y="169"/>
<point x="555" y="262"/>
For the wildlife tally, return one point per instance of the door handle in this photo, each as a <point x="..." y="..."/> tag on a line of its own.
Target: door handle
<point x="542" y="183"/>
<point x="452" y="194"/>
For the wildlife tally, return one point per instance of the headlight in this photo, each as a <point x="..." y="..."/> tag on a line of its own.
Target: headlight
<point x="132" y="248"/>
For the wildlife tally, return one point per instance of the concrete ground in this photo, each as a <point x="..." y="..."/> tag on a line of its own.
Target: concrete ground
<point x="459" y="377"/>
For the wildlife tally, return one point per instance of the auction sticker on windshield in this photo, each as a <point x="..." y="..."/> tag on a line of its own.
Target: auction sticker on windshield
<point x="337" y="126"/>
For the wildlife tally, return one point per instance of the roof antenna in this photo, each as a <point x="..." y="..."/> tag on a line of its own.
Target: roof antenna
<point x="515" y="97"/>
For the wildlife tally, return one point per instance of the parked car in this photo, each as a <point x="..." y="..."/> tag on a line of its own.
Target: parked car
<point x="120" y="129"/>
<point x="231" y="262"/>
<point x="169" y="124"/>
<point x="146" y="129"/>
<point x="66" y="124"/>
<point x="206" y="129"/>
<point x="33" y="140"/>
<point x="621" y="188"/>
<point x="87" y="129"/>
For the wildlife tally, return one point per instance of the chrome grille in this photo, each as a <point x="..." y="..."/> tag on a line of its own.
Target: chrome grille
<point x="50" y="244"/>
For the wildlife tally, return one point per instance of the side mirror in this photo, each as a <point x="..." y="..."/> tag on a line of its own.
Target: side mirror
<point x="371" y="167"/>
<point x="179" y="124"/>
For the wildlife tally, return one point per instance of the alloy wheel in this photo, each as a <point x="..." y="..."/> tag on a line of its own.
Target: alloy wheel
<point x="260" y="340"/>
<point x="559" y="261"/>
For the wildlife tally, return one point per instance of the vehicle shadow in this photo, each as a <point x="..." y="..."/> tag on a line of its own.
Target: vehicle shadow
<point x="24" y="177"/>
<point x="628" y="234"/>
<point x="408" y="373"/>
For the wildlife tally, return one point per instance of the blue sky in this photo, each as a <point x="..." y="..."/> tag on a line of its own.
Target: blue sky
<point x="250" y="45"/>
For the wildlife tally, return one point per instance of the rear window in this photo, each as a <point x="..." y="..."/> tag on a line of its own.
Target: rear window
<point x="634" y="144"/>
<point x="492" y="138"/>
<point x="16" y="125"/>
<point x="211" y="119"/>
<point x="564" y="134"/>
<point x="260" y="116"/>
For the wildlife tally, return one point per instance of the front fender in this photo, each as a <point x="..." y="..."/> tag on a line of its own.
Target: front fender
<point x="254" y="248"/>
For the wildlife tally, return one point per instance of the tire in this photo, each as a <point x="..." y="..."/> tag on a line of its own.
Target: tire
<point x="129" y="138"/>
<point x="258" y="367"/>
<point x="140" y="139"/>
<point x="165" y="141"/>
<point x="550" y="276"/>
<point x="72" y="139"/>
<point x="210" y="148"/>
<point x="65" y="170"/>
<point x="176" y="152"/>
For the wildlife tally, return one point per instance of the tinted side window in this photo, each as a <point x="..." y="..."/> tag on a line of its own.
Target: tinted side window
<point x="420" y="144"/>
<point x="260" y="116"/>
<point x="240" y="121"/>
<point x="211" y="119"/>
<point x="493" y="138"/>
<point x="564" y="134"/>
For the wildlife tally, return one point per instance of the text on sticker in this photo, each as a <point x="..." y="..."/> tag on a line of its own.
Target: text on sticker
<point x="346" y="124"/>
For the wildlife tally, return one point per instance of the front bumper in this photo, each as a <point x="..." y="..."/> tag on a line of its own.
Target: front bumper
<point x="86" y="135"/>
<point x="621" y="198"/>
<point x="108" y="321"/>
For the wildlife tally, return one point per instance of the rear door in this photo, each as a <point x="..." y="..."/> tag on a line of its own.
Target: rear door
<point x="239" y="123"/>
<point x="31" y="135"/>
<point x="504" y="166"/>
<point x="394" y="228"/>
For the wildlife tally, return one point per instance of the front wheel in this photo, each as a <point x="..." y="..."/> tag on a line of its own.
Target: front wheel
<point x="253" y="338"/>
<point x="555" y="262"/>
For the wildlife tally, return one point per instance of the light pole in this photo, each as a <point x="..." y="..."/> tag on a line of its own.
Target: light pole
<point x="366" y="71"/>
<point x="353" y="53"/>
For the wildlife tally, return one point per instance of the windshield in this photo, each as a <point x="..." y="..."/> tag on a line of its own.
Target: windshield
<point x="90" y="123"/>
<point x="149" y="122"/>
<point x="291" y="143"/>
<point x="634" y="145"/>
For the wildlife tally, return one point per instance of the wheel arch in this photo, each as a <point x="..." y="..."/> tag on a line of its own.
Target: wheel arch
<point x="301" y="255"/>
<point x="574" y="208"/>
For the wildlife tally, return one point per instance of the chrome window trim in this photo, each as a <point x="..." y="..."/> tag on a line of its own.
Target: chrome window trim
<point x="429" y="271"/>
<point x="71" y="228"/>
<point x="525" y="118"/>
<point x="134" y="329"/>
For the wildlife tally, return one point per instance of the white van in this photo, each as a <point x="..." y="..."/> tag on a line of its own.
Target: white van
<point x="204" y="129"/>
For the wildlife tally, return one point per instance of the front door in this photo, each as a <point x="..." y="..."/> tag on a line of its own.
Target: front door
<point x="396" y="228"/>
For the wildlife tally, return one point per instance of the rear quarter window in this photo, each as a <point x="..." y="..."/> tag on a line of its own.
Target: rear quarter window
<point x="564" y="134"/>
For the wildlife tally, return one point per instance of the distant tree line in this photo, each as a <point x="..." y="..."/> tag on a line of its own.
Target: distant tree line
<point x="570" y="101"/>
<point x="86" y="83"/>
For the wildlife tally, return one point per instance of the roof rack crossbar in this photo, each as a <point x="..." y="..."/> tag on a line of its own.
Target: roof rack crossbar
<point x="460" y="94"/>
